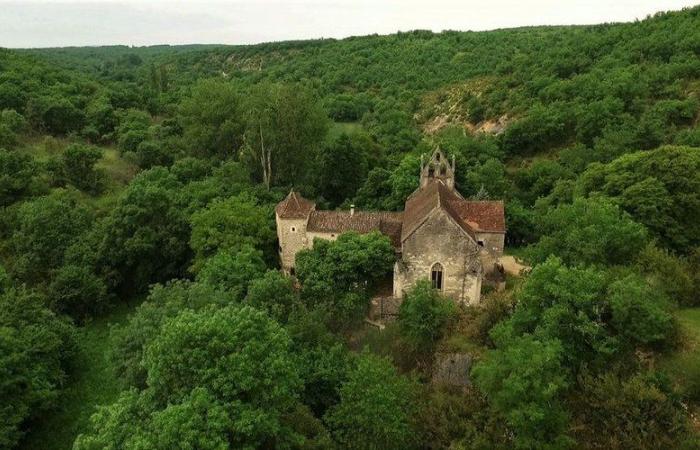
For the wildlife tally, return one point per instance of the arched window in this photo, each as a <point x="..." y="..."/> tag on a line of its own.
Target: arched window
<point x="436" y="276"/>
<point x="443" y="170"/>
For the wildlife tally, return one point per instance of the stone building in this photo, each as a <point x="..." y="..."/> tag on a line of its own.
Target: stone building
<point x="453" y="242"/>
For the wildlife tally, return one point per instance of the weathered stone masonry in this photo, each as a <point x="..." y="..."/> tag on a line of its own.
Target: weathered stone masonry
<point x="439" y="236"/>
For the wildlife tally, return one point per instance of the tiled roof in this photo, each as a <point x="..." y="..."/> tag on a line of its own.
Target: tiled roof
<point x="388" y="223"/>
<point x="424" y="201"/>
<point x="294" y="206"/>
<point x="471" y="216"/>
<point x="482" y="216"/>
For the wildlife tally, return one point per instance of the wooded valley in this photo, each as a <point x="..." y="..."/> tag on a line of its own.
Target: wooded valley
<point x="141" y="301"/>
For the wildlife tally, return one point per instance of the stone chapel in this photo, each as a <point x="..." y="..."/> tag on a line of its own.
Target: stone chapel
<point x="440" y="236"/>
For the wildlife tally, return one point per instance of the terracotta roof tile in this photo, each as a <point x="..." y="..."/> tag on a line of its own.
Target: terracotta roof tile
<point x="482" y="216"/>
<point x="294" y="206"/>
<point x="388" y="223"/>
<point x="424" y="201"/>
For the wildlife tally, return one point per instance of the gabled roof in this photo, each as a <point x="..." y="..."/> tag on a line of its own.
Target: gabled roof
<point x="482" y="216"/>
<point x="424" y="201"/>
<point x="294" y="206"/>
<point x="388" y="223"/>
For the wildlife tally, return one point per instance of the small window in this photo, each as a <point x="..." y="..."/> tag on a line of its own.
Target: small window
<point x="280" y="249"/>
<point x="436" y="276"/>
<point x="431" y="172"/>
<point x="294" y="229"/>
<point x="332" y="235"/>
<point x="437" y="156"/>
<point x="291" y="271"/>
<point x="480" y="242"/>
<point x="443" y="171"/>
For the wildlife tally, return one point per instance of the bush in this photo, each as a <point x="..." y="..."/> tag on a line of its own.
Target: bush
<point x="19" y="177"/>
<point x="639" y="412"/>
<point x="376" y="408"/>
<point x="274" y="293"/>
<point x="589" y="231"/>
<point x="233" y="272"/>
<point x="36" y="348"/>
<point x="163" y="303"/>
<point x="78" y="292"/>
<point x="669" y="274"/>
<point x="78" y="164"/>
<point x="424" y="315"/>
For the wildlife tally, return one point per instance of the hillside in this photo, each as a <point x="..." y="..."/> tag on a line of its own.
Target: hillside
<point x="139" y="256"/>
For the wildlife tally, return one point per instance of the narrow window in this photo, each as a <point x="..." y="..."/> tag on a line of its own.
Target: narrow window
<point x="436" y="276"/>
<point x="443" y="171"/>
<point x="480" y="242"/>
<point x="294" y="229"/>
<point x="431" y="172"/>
<point x="291" y="271"/>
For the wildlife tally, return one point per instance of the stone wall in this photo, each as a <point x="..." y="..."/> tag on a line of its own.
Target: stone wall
<point x="440" y="240"/>
<point x="315" y="234"/>
<point x="292" y="237"/>
<point x="493" y="242"/>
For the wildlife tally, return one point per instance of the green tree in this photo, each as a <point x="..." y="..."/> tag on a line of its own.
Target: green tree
<point x="43" y="230"/>
<point x="144" y="238"/>
<point x="219" y="377"/>
<point x="36" y="348"/>
<point x="132" y="129"/>
<point x="211" y="119"/>
<point x="12" y="123"/>
<point x="100" y="119"/>
<point x="274" y="293"/>
<point x="376" y="407"/>
<point x="162" y="304"/>
<point x="424" y="315"/>
<point x="589" y="231"/>
<point x="56" y="114"/>
<point x="239" y="355"/>
<point x="639" y="412"/>
<point x="78" y="164"/>
<point x="639" y="311"/>
<point x="19" y="177"/>
<point x="77" y="291"/>
<point x="524" y="380"/>
<point x="353" y="263"/>
<point x="658" y="188"/>
<point x="375" y="191"/>
<point x="233" y="272"/>
<point x="229" y="224"/>
<point x="285" y="126"/>
<point x="342" y="166"/>
<point x="674" y="276"/>
<point x="595" y="316"/>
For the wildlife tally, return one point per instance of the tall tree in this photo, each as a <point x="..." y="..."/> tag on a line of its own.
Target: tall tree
<point x="285" y="126"/>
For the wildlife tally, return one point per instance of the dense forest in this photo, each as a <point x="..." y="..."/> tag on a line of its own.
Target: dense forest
<point x="141" y="305"/>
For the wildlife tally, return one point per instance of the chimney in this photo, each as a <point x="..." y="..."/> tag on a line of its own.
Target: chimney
<point x="352" y="210"/>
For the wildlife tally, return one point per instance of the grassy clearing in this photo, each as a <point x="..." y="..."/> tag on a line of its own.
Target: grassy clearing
<point x="93" y="383"/>
<point x="683" y="365"/>
<point x="118" y="170"/>
<point x="339" y="128"/>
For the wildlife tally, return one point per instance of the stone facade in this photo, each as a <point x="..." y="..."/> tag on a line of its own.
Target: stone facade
<point x="439" y="240"/>
<point x="439" y="236"/>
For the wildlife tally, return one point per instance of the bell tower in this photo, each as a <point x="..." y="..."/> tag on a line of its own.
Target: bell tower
<point x="437" y="168"/>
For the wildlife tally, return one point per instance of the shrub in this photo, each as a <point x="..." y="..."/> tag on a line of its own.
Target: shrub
<point x="78" y="292"/>
<point x="424" y="315"/>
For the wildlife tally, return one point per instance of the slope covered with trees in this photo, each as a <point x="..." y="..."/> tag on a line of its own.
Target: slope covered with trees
<point x="144" y="179"/>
